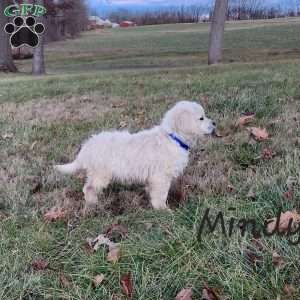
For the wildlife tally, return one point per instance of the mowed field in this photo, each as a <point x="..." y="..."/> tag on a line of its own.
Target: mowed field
<point x="127" y="78"/>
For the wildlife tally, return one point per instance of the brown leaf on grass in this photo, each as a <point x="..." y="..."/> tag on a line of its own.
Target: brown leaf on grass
<point x="251" y="194"/>
<point x="3" y="215"/>
<point x="7" y="136"/>
<point x="209" y="294"/>
<point x="127" y="285"/>
<point x="55" y="214"/>
<point x="185" y="294"/>
<point x="64" y="281"/>
<point x="277" y="260"/>
<point x="268" y="153"/>
<point x="289" y="290"/>
<point x="258" y="244"/>
<point x="260" y="134"/>
<point x="122" y="124"/>
<point x="285" y="218"/>
<point x="291" y="182"/>
<point x="36" y="188"/>
<point x="114" y="250"/>
<point x="253" y="252"/>
<point x="118" y="105"/>
<point x="97" y="280"/>
<point x="40" y="264"/>
<point x="114" y="254"/>
<point x="101" y="239"/>
<point x="88" y="248"/>
<point x="116" y="228"/>
<point x="231" y="188"/>
<point x="289" y="195"/>
<point x="246" y="118"/>
<point x="253" y="257"/>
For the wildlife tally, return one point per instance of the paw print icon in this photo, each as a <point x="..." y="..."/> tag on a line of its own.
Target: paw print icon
<point x="24" y="31"/>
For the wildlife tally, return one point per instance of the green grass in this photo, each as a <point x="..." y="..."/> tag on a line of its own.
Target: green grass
<point x="110" y="78"/>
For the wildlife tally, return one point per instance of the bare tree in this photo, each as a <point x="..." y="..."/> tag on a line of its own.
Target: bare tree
<point x="217" y="32"/>
<point x="6" y="59"/>
<point x="38" y="62"/>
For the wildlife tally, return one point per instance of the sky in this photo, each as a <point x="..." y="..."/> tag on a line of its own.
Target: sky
<point x="104" y="7"/>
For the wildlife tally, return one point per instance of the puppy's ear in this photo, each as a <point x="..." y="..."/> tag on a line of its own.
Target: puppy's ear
<point x="182" y="121"/>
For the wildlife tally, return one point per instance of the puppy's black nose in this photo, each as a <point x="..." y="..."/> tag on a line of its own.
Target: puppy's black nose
<point x="214" y="123"/>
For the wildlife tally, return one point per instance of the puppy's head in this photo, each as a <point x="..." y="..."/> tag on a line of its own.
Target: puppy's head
<point x="188" y="120"/>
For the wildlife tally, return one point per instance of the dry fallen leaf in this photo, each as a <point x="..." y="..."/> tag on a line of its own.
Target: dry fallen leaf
<point x="289" y="195"/>
<point x="127" y="285"/>
<point x="284" y="221"/>
<point x="209" y="294"/>
<point x="40" y="264"/>
<point x="231" y="188"/>
<point x="118" y="105"/>
<point x="289" y="289"/>
<point x="97" y="280"/>
<point x="277" y="260"/>
<point x="114" y="250"/>
<point x="55" y="214"/>
<point x="64" y="281"/>
<point x="253" y="252"/>
<point x="246" y="118"/>
<point x="251" y="194"/>
<point x="7" y="136"/>
<point x="113" y="254"/>
<point x="185" y="294"/>
<point x="122" y="124"/>
<point x="101" y="239"/>
<point x="116" y="229"/>
<point x="253" y="257"/>
<point x="259" y="134"/>
<point x="258" y="244"/>
<point x="291" y="182"/>
<point x="268" y="153"/>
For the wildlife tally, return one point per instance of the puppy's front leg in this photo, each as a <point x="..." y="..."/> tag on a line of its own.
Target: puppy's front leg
<point x="91" y="198"/>
<point x="159" y="189"/>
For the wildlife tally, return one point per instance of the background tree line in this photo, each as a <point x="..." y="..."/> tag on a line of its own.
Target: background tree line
<point x="237" y="10"/>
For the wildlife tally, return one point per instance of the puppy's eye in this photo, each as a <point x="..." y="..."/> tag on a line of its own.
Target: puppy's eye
<point x="201" y="119"/>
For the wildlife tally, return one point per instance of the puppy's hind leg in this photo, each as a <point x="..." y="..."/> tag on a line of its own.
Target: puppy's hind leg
<point x="159" y="189"/>
<point x="94" y="185"/>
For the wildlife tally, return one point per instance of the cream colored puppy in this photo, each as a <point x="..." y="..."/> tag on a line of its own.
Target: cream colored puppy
<point x="154" y="157"/>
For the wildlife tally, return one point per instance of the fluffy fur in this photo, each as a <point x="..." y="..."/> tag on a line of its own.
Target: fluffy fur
<point x="150" y="156"/>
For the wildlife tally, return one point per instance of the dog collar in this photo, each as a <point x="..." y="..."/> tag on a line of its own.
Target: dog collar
<point x="179" y="141"/>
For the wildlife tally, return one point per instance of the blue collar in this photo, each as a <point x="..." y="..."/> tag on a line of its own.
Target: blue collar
<point x="179" y="141"/>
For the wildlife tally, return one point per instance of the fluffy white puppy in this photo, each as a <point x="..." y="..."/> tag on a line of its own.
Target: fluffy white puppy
<point x="154" y="157"/>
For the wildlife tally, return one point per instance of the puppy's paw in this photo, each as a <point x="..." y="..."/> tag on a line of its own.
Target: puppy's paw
<point x="89" y="210"/>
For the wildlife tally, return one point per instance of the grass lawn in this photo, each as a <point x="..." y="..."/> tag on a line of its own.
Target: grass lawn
<point x="129" y="78"/>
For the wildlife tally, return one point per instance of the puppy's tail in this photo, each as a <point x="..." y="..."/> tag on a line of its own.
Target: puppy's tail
<point x="68" y="168"/>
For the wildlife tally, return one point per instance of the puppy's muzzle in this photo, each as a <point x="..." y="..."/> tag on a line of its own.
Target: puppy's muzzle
<point x="212" y="128"/>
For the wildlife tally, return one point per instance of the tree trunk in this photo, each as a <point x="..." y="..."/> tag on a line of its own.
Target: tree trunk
<point x="6" y="59"/>
<point x="38" y="63"/>
<point x="217" y="32"/>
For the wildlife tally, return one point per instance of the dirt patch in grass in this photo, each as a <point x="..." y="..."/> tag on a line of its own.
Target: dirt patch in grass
<point x="59" y="109"/>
